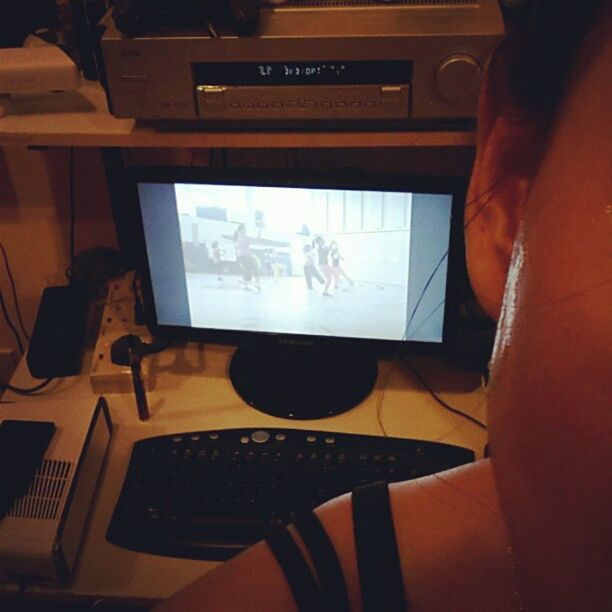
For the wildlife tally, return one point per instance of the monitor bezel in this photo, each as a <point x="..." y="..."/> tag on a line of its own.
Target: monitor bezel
<point x="340" y="179"/>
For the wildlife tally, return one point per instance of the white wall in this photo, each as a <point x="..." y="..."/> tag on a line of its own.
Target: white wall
<point x="34" y="221"/>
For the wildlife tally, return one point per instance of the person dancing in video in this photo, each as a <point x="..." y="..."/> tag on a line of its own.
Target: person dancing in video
<point x="310" y="270"/>
<point x="329" y="272"/>
<point x="248" y="262"/>
<point x="334" y="253"/>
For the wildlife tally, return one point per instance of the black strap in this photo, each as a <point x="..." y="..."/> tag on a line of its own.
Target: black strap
<point x="380" y="573"/>
<point x="325" y="559"/>
<point x="301" y="581"/>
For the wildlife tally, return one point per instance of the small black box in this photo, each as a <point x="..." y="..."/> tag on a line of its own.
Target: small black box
<point x="58" y="339"/>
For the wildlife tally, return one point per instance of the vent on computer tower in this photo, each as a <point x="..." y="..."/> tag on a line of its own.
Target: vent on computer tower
<point x="44" y="495"/>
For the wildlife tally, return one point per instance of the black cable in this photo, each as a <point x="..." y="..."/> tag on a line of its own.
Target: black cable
<point x="424" y="291"/>
<point x="9" y="273"/>
<point x="7" y="318"/>
<point x="72" y="210"/>
<point x="440" y="400"/>
<point x="22" y="391"/>
<point x="431" y="314"/>
<point x="481" y="201"/>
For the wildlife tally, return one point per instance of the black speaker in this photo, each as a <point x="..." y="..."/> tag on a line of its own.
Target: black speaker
<point x="58" y="339"/>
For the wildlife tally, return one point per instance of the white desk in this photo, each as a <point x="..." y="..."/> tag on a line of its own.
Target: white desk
<point x="193" y="392"/>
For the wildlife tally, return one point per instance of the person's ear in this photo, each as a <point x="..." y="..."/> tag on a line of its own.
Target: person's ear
<point x="506" y="157"/>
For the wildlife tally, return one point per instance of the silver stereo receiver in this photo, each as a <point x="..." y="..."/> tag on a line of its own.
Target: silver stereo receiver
<point x="406" y="64"/>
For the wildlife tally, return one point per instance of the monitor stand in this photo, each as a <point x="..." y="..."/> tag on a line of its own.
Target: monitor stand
<point x="302" y="382"/>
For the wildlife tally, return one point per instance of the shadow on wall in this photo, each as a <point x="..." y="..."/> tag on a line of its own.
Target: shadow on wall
<point x="35" y="219"/>
<point x="8" y="197"/>
<point x="88" y="192"/>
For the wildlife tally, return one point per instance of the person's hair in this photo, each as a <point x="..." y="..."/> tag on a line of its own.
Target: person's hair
<point x="533" y="65"/>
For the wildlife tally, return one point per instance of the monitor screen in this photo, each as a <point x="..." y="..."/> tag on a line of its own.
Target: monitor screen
<point x="328" y="260"/>
<point x="335" y="258"/>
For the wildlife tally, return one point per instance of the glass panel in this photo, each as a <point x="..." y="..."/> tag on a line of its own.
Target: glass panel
<point x="372" y="210"/>
<point x="336" y="211"/>
<point x="395" y="208"/>
<point x="352" y="210"/>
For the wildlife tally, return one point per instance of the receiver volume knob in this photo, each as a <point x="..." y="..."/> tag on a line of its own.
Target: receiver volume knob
<point x="458" y="78"/>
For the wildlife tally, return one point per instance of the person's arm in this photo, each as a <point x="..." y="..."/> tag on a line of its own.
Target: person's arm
<point x="250" y="581"/>
<point x="452" y="542"/>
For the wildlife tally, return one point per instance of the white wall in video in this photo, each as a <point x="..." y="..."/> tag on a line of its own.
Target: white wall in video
<point x="296" y="260"/>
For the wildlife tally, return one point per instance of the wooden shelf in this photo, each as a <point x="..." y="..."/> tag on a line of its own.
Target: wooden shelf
<point x="81" y="119"/>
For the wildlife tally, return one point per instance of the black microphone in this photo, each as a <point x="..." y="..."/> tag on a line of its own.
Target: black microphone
<point x="129" y="350"/>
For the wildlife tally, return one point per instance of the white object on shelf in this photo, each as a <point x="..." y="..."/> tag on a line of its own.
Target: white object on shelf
<point x="36" y="70"/>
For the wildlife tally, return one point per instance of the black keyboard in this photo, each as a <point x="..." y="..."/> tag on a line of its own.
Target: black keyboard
<point x="210" y="494"/>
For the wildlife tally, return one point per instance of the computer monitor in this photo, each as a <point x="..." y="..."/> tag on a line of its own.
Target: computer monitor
<point x="312" y="276"/>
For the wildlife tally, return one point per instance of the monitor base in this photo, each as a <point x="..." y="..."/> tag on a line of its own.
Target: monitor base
<point x="302" y="382"/>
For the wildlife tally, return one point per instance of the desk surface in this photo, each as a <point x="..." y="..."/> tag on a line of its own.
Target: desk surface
<point x="193" y="392"/>
<point x="81" y="119"/>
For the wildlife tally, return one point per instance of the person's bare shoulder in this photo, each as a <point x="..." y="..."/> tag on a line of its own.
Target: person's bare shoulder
<point x="551" y="389"/>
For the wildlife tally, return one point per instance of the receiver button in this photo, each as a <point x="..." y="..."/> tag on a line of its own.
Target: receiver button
<point x="458" y="78"/>
<point x="212" y="96"/>
<point x="260" y="436"/>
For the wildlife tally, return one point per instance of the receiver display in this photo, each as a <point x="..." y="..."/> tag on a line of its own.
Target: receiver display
<point x="303" y="73"/>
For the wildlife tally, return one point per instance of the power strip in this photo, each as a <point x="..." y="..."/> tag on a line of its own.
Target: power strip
<point x="117" y="320"/>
